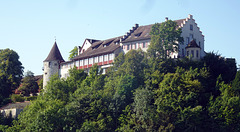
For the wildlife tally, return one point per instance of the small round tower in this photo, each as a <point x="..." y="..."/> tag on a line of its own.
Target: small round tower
<point x="193" y="51"/>
<point x="51" y="64"/>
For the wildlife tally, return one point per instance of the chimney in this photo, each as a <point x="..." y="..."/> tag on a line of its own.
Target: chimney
<point x="166" y="18"/>
<point x="79" y="49"/>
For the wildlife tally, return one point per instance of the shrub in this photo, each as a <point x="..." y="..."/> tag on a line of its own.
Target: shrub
<point x="17" y="98"/>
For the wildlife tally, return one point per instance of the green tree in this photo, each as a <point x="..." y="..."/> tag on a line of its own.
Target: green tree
<point x="165" y="38"/>
<point x="73" y="53"/>
<point x="225" y="109"/>
<point x="56" y="89"/>
<point x="11" y="72"/>
<point x="29" y="84"/>
<point x="236" y="84"/>
<point x="43" y="115"/>
<point x="218" y="65"/>
<point x="143" y="110"/>
<point x="177" y="101"/>
<point x="133" y="64"/>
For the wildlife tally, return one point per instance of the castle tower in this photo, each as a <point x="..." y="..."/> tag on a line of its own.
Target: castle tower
<point x="51" y="64"/>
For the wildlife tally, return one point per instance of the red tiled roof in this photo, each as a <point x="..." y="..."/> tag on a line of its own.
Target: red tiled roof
<point x="100" y="47"/>
<point x="143" y="32"/>
<point x="17" y="105"/>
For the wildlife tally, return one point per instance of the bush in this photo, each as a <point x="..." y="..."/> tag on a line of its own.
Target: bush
<point x="17" y="98"/>
<point x="30" y="98"/>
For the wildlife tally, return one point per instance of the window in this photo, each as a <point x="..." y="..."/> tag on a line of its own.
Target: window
<point x="111" y="56"/>
<point x="81" y="62"/>
<point x="191" y="27"/>
<point x="197" y="54"/>
<point x="192" y="53"/>
<point x="101" y="58"/>
<point x="96" y="59"/>
<point x="106" y="57"/>
<point x="187" y="40"/>
<point x="144" y="44"/>
<point x="134" y="45"/>
<point x="86" y="62"/>
<point x="90" y="60"/>
<point x="191" y="37"/>
<point x="77" y="63"/>
<point x="128" y="47"/>
<point x="187" y="53"/>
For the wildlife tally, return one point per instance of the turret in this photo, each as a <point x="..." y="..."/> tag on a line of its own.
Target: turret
<point x="193" y="50"/>
<point x="51" y="64"/>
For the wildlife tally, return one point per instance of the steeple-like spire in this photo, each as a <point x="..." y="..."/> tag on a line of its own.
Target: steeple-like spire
<point x="54" y="54"/>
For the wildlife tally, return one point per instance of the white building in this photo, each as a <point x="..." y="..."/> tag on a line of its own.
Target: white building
<point x="103" y="52"/>
<point x="13" y="109"/>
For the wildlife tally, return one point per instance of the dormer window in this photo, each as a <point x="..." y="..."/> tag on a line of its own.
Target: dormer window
<point x="191" y="27"/>
<point x="138" y="34"/>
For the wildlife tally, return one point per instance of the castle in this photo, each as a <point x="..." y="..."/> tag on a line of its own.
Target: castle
<point x="103" y="52"/>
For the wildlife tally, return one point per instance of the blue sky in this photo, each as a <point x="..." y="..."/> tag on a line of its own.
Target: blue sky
<point x="29" y="27"/>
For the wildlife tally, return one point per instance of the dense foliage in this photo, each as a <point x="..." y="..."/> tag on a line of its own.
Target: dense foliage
<point x="73" y="53"/>
<point x="134" y="97"/>
<point x="29" y="84"/>
<point x="11" y="73"/>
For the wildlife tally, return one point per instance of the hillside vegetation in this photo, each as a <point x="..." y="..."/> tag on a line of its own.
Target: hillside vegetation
<point x="139" y="94"/>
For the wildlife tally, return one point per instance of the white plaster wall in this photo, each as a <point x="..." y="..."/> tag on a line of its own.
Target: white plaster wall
<point x="147" y="41"/>
<point x="64" y="68"/>
<point x="197" y="35"/>
<point x="86" y="45"/>
<point x="194" y="57"/>
<point x="49" y="70"/>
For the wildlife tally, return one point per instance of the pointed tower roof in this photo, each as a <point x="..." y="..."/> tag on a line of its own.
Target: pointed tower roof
<point x="192" y="44"/>
<point x="54" y="54"/>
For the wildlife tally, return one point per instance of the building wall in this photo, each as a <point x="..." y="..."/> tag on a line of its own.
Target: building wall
<point x="143" y="44"/>
<point x="193" y="53"/>
<point x="14" y="112"/>
<point x="104" y="61"/>
<point x="189" y="35"/>
<point x="86" y="45"/>
<point x="64" y="68"/>
<point x="50" y="68"/>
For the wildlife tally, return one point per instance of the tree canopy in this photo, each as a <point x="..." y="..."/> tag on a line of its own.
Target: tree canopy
<point x="73" y="53"/>
<point x="165" y="38"/>
<point x="11" y="72"/>
<point x="29" y="84"/>
<point x="174" y="96"/>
